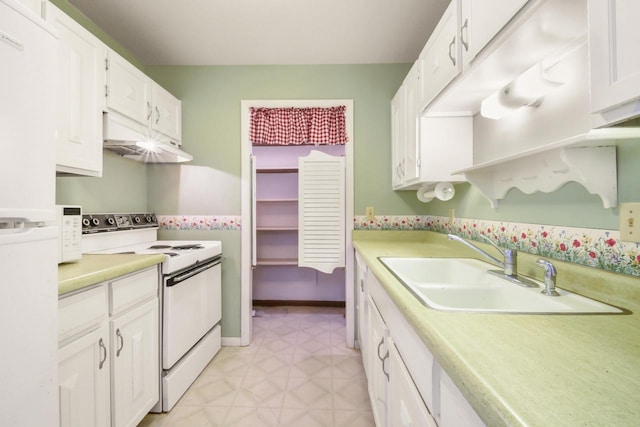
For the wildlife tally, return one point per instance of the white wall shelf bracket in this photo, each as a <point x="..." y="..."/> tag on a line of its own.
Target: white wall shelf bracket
<point x="588" y="159"/>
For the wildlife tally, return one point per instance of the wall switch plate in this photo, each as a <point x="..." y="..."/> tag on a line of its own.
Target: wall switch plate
<point x="452" y="213"/>
<point x="371" y="213"/>
<point x="630" y="222"/>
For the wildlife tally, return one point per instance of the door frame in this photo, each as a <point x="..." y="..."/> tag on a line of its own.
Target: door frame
<point x="246" y="292"/>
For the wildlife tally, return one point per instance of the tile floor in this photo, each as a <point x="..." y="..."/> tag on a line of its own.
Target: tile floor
<point x="297" y="372"/>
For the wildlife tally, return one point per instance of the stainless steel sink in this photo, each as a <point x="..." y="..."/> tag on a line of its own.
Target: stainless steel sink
<point x="465" y="285"/>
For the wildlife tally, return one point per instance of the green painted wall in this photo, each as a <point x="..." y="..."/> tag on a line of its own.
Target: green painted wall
<point x="211" y="117"/>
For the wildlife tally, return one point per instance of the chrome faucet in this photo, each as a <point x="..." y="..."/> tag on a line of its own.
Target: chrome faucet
<point x="509" y="263"/>
<point x="549" y="277"/>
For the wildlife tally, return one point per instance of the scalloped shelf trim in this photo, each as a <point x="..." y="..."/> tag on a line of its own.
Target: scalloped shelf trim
<point x="588" y="159"/>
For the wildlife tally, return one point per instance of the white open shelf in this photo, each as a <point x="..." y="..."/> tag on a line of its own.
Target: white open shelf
<point x="589" y="159"/>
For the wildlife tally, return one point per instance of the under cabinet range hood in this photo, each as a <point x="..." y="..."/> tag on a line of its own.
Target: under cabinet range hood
<point x="134" y="141"/>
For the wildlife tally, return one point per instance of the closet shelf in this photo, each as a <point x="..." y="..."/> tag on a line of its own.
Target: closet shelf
<point x="293" y="169"/>
<point x="277" y="228"/>
<point x="277" y="261"/>
<point x="282" y="200"/>
<point x="589" y="159"/>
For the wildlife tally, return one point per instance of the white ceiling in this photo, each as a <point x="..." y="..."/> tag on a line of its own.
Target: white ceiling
<point x="243" y="32"/>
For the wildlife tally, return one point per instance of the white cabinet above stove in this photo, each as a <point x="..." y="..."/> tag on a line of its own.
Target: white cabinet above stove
<point x="142" y="120"/>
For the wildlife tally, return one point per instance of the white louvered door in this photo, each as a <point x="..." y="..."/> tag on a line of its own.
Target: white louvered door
<point x="321" y="212"/>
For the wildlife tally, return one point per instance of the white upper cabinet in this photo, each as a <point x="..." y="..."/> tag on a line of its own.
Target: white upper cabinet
<point x="128" y="90"/>
<point x="166" y="117"/>
<point x="404" y="123"/>
<point x="80" y="96"/>
<point x="481" y="20"/>
<point x="398" y="130"/>
<point x="439" y="63"/>
<point x="614" y="59"/>
<point x="142" y="104"/>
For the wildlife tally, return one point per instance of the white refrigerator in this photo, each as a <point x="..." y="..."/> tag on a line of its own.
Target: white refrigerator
<point x="28" y="236"/>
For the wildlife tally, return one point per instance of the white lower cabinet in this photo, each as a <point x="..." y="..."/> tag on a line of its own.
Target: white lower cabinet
<point x="407" y="387"/>
<point x="134" y="364"/>
<point x="362" y="311"/>
<point x="108" y="352"/>
<point x="83" y="387"/>
<point x="378" y="379"/>
<point x="407" y="409"/>
<point x="454" y="408"/>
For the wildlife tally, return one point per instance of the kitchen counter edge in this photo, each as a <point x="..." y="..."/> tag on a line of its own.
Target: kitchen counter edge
<point x="94" y="269"/>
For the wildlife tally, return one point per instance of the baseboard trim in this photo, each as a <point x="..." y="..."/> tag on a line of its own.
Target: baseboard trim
<point x="297" y="303"/>
<point x="231" y="341"/>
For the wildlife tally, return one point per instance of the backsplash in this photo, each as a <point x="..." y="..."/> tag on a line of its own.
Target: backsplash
<point x="592" y="247"/>
<point x="199" y="222"/>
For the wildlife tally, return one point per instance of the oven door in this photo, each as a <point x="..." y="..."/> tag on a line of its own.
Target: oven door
<point x="191" y="307"/>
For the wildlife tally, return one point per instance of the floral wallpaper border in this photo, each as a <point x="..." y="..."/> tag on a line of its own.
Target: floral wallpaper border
<point x="199" y="222"/>
<point x="592" y="247"/>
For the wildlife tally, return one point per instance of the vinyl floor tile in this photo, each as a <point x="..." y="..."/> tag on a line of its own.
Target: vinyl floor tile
<point x="297" y="372"/>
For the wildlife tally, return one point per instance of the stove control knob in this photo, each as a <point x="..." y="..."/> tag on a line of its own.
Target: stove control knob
<point x="95" y="221"/>
<point x="148" y="218"/>
<point x="136" y="219"/>
<point x="111" y="221"/>
<point x="86" y="222"/>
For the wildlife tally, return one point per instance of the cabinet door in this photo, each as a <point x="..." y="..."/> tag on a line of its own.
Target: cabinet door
<point x="166" y="117"/>
<point x="378" y="365"/>
<point x="398" y="131"/>
<point x="454" y="408"/>
<point x="481" y="20"/>
<point x="128" y="90"/>
<point x="81" y="89"/>
<point x="613" y="44"/>
<point x="406" y="407"/>
<point x="411" y="155"/>
<point x="439" y="63"/>
<point x="363" y="311"/>
<point x="83" y="373"/>
<point x="135" y="364"/>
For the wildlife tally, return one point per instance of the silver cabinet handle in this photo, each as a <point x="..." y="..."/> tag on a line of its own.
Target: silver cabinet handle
<point x="149" y="110"/>
<point x="384" y="371"/>
<point x="380" y="345"/>
<point x="383" y="358"/>
<point x="452" y="44"/>
<point x="121" y="338"/>
<point x="157" y="115"/>
<point x="103" y="349"/>
<point x="464" y="34"/>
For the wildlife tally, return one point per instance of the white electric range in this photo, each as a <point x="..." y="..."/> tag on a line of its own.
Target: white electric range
<point x="190" y="293"/>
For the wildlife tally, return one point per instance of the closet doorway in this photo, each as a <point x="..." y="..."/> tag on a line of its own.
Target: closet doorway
<point x="279" y="259"/>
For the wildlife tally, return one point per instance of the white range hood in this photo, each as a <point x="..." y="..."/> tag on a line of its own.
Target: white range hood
<point x="134" y="141"/>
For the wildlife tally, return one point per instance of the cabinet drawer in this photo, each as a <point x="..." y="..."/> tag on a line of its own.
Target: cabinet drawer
<point x="81" y="312"/>
<point x="131" y="290"/>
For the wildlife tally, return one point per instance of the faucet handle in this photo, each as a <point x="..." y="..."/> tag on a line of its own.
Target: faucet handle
<point x="549" y="277"/>
<point x="549" y="269"/>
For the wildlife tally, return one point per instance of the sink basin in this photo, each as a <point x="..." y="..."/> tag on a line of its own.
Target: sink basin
<point x="461" y="284"/>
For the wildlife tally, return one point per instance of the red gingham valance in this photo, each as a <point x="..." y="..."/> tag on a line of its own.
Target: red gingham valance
<point x="298" y="126"/>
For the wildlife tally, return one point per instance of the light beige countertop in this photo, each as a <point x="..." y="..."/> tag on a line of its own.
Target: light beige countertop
<point x="93" y="269"/>
<point x="529" y="370"/>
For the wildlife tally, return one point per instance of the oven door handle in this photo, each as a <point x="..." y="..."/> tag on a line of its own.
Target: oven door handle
<point x="179" y="278"/>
